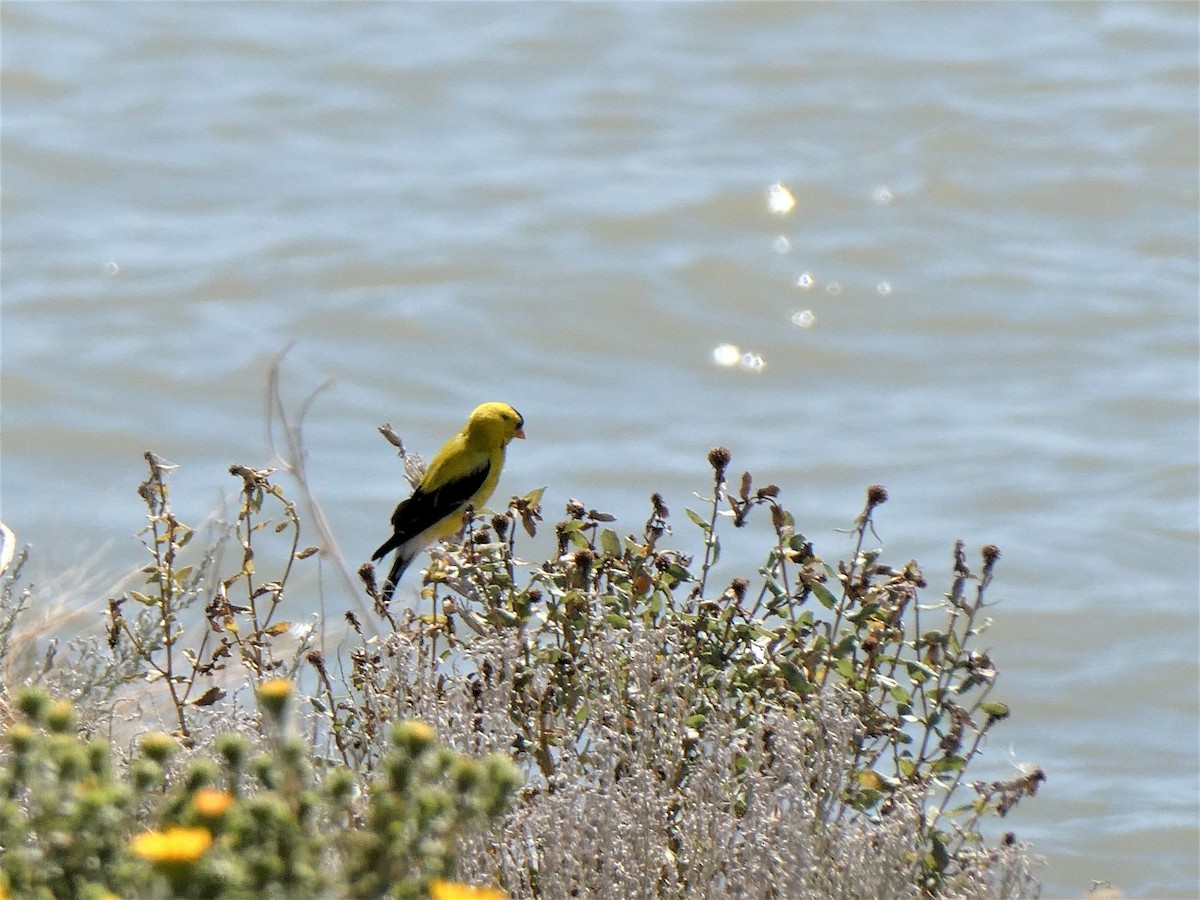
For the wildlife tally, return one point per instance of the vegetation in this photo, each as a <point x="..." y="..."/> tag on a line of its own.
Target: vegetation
<point x="608" y="723"/>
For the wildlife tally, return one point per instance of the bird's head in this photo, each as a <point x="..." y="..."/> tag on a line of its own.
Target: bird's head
<point x="493" y="425"/>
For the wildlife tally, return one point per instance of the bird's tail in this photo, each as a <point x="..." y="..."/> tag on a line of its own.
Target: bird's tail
<point x="399" y="564"/>
<point x="385" y="548"/>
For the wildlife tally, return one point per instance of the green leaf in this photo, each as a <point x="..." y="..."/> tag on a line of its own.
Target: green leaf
<point x="939" y="857"/>
<point x="995" y="709"/>
<point x="796" y="677"/>
<point x="804" y="620"/>
<point x="698" y="519"/>
<point x="504" y="617"/>
<point x="866" y="613"/>
<point x="678" y="572"/>
<point x="610" y="543"/>
<point x="824" y="595"/>
<point x="918" y="671"/>
<point x="845" y="647"/>
<point x="948" y="764"/>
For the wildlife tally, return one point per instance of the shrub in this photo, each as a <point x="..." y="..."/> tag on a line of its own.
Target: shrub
<point x="264" y="827"/>
<point x="802" y="732"/>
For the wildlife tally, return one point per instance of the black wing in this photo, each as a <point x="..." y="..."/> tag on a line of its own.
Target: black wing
<point x="426" y="508"/>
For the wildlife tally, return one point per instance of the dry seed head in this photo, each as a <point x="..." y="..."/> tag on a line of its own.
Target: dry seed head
<point x="990" y="553"/>
<point x="718" y="458"/>
<point x="367" y="573"/>
<point x="778" y="519"/>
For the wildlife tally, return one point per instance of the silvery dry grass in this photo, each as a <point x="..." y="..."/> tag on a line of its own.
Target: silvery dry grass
<point x="616" y="821"/>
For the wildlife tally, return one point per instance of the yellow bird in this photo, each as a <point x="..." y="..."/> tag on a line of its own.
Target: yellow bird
<point x="463" y="473"/>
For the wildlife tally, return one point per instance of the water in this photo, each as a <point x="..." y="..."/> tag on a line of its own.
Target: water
<point x="985" y="298"/>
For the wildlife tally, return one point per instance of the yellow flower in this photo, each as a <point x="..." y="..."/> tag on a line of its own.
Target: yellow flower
<point x="158" y="746"/>
<point x="174" y="846"/>
<point x="211" y="803"/>
<point x="274" y="694"/>
<point x="21" y="736"/>
<point x="421" y="731"/>
<point x="276" y="688"/>
<point x="418" y="731"/>
<point x="454" y="890"/>
<point x="414" y="737"/>
<point x="60" y="718"/>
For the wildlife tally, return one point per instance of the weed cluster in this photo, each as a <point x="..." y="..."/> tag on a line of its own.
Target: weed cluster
<point x="804" y="732"/>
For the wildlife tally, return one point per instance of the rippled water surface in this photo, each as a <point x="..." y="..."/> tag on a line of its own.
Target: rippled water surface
<point x="984" y="297"/>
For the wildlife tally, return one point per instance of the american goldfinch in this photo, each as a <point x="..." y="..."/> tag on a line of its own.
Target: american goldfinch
<point x="463" y="473"/>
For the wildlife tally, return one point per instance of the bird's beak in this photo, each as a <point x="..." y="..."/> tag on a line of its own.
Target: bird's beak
<point x="520" y="433"/>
